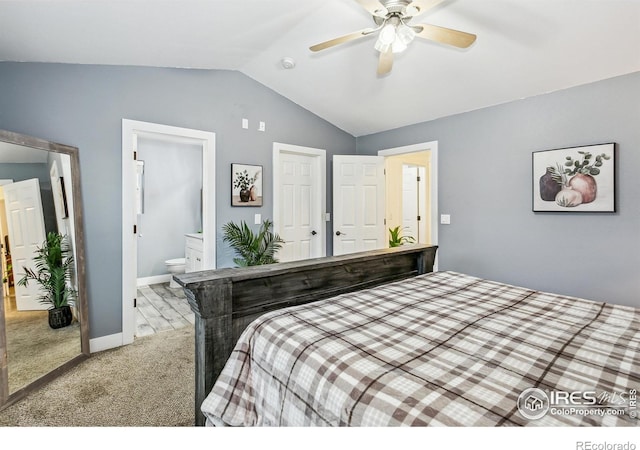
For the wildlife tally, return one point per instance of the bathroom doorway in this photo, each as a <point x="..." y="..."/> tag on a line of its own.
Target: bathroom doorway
<point x="135" y="133"/>
<point x="169" y="205"/>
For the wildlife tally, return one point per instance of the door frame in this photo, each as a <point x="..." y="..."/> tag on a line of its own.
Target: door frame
<point x="131" y="129"/>
<point x="431" y="147"/>
<point x="320" y="169"/>
<point x="3" y="250"/>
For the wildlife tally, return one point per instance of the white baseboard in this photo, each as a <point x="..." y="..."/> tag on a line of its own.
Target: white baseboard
<point x="105" y="343"/>
<point x="156" y="279"/>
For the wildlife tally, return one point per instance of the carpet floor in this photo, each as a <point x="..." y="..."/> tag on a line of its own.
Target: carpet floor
<point x="149" y="383"/>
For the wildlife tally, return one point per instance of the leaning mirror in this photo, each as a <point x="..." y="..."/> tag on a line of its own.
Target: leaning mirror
<point x="43" y="312"/>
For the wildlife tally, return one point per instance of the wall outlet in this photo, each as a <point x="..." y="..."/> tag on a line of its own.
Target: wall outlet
<point x="327" y="217"/>
<point x="257" y="219"/>
<point x="262" y="126"/>
<point x="445" y="219"/>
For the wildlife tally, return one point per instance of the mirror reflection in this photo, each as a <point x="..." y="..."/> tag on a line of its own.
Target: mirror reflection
<point x="36" y="223"/>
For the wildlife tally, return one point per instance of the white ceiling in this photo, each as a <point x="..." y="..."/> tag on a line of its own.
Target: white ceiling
<point x="524" y="48"/>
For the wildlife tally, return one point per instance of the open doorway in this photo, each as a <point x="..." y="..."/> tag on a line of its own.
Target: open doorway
<point x="135" y="133"/>
<point x="412" y="190"/>
<point x="407" y="194"/>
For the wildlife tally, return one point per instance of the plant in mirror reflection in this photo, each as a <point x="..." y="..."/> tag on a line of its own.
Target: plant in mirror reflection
<point x="52" y="271"/>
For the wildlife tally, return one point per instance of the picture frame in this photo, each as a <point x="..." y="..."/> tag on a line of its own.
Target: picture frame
<point x="246" y="185"/>
<point x="575" y="179"/>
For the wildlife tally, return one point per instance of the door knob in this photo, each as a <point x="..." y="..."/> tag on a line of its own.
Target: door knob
<point x="313" y="233"/>
<point x="338" y="233"/>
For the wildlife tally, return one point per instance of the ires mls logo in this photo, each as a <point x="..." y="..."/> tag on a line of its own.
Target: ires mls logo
<point x="534" y="403"/>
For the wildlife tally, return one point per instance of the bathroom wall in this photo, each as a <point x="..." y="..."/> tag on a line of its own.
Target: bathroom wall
<point x="172" y="202"/>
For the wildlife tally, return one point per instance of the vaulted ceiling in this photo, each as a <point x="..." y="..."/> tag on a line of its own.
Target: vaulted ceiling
<point x="523" y="48"/>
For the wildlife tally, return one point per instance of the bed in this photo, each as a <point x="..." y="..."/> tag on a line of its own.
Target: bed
<point x="378" y="339"/>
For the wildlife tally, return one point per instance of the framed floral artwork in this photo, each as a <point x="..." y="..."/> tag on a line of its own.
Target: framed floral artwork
<point x="246" y="185"/>
<point x="575" y="179"/>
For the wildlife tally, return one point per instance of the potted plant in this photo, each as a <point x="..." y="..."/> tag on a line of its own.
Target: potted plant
<point x="395" y="240"/>
<point x="52" y="271"/>
<point x="244" y="182"/>
<point x="252" y="248"/>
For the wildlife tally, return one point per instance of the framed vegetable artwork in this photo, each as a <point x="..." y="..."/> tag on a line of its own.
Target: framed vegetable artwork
<point x="246" y="185"/>
<point x="576" y="179"/>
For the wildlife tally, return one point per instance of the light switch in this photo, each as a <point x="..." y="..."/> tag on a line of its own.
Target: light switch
<point x="245" y="124"/>
<point x="327" y="217"/>
<point x="257" y="219"/>
<point x="262" y="126"/>
<point x="445" y="219"/>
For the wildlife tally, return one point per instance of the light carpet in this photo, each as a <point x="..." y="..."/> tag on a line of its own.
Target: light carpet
<point x="149" y="383"/>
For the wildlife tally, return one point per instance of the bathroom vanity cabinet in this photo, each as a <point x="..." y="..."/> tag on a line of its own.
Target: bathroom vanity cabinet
<point x="193" y="252"/>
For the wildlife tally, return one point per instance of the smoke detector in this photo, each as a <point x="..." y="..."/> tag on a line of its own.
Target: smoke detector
<point x="288" y="63"/>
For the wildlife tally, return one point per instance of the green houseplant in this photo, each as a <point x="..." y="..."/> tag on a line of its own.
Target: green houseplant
<point x="395" y="239"/>
<point x="52" y="271"/>
<point x="252" y="248"/>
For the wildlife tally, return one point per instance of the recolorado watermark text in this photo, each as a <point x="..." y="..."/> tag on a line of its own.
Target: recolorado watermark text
<point x="588" y="445"/>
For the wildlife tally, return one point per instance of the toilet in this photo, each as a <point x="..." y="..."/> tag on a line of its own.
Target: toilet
<point x="175" y="267"/>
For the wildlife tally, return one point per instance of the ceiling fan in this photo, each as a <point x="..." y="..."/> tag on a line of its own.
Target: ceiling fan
<point x="392" y="19"/>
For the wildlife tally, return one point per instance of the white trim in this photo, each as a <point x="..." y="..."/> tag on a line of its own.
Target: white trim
<point x="431" y="147"/>
<point x="105" y="343"/>
<point x="156" y="279"/>
<point x="321" y="172"/>
<point x="131" y="129"/>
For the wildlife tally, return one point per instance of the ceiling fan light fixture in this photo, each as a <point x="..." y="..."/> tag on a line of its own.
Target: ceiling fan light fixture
<point x="387" y="34"/>
<point x="382" y="48"/>
<point x="382" y="12"/>
<point x="411" y="11"/>
<point x="405" y="33"/>
<point x="398" y="46"/>
<point x="395" y="32"/>
<point x="394" y="36"/>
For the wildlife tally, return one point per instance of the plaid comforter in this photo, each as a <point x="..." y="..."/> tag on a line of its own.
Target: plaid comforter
<point x="439" y="349"/>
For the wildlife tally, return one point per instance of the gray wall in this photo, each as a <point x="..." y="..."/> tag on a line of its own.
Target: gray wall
<point x="83" y="106"/>
<point x="172" y="205"/>
<point x="485" y="183"/>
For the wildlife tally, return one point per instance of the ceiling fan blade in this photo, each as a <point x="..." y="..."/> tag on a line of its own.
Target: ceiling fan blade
<point x="385" y="63"/>
<point x="374" y="7"/>
<point x="422" y="6"/>
<point x="341" y="39"/>
<point x="445" y="35"/>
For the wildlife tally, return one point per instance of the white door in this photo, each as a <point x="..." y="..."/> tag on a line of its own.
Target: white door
<point x="423" y="212"/>
<point x="25" y="221"/>
<point x="410" y="210"/>
<point x="299" y="217"/>
<point x="414" y="205"/>
<point x="358" y="204"/>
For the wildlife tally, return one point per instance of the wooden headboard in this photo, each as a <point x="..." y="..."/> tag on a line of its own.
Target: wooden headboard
<point x="225" y="301"/>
